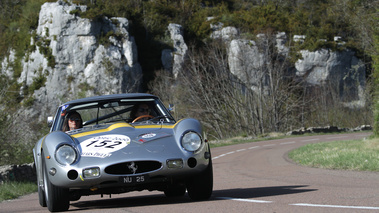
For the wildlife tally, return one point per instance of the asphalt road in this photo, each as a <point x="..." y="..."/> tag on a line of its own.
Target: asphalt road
<point x="252" y="177"/>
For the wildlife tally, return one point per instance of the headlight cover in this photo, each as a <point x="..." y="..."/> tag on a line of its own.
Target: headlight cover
<point x="65" y="155"/>
<point x="191" y="141"/>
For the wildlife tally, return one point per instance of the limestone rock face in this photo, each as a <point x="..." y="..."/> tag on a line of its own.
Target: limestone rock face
<point x="246" y="62"/>
<point x="341" y="71"/>
<point x="86" y="58"/>
<point x="173" y="59"/>
<point x="224" y="33"/>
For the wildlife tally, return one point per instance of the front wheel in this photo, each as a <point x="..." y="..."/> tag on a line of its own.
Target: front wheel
<point x="175" y="190"/>
<point x="200" y="187"/>
<point x="41" y="195"/>
<point x="57" y="198"/>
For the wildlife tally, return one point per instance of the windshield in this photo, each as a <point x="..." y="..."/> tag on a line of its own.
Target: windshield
<point x="92" y="114"/>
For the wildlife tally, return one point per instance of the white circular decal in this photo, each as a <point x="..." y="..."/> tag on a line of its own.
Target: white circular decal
<point x="103" y="146"/>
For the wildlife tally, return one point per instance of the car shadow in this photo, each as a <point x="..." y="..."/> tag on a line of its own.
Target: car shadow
<point x="161" y="199"/>
<point x="261" y="191"/>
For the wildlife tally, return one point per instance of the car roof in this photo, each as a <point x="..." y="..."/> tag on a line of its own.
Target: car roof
<point x="111" y="97"/>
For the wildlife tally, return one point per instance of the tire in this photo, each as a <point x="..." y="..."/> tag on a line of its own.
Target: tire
<point x="75" y="197"/>
<point x="175" y="190"/>
<point x="200" y="187"/>
<point x="41" y="195"/>
<point x="56" y="198"/>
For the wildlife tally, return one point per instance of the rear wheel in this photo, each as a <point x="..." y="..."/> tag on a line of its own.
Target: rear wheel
<point x="200" y="187"/>
<point x="57" y="198"/>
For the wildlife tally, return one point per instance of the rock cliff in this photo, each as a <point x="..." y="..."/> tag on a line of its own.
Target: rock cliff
<point x="342" y="71"/>
<point x="86" y="58"/>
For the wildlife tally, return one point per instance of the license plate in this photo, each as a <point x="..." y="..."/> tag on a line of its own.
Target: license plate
<point x="133" y="179"/>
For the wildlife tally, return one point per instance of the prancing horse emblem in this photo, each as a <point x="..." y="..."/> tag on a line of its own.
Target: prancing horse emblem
<point x="133" y="167"/>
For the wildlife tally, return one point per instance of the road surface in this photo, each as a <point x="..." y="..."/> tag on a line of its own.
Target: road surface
<point x="251" y="177"/>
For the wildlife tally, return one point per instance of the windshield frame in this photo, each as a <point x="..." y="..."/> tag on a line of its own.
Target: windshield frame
<point x="160" y="112"/>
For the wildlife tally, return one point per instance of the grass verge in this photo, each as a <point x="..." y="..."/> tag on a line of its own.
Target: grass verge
<point x="12" y="189"/>
<point x="355" y="155"/>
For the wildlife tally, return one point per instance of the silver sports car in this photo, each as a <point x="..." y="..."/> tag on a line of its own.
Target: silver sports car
<point x="120" y="143"/>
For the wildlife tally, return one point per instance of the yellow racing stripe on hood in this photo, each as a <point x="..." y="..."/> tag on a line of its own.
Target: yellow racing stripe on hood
<point x="120" y="125"/>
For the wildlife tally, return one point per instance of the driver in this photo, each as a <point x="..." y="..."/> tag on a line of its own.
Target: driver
<point x="140" y="110"/>
<point x="72" y="121"/>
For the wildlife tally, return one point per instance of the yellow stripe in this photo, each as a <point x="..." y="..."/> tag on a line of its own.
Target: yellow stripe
<point x="43" y="140"/>
<point x="119" y="125"/>
<point x="155" y="126"/>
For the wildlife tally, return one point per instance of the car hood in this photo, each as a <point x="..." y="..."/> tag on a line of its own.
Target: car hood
<point x="122" y="141"/>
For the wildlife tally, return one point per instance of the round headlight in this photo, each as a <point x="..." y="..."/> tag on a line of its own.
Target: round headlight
<point x="65" y="155"/>
<point x="191" y="141"/>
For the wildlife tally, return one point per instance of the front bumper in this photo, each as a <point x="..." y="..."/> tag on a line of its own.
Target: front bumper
<point x="76" y="176"/>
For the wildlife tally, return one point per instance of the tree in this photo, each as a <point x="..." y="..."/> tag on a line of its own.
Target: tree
<point x="259" y="99"/>
<point x="375" y="56"/>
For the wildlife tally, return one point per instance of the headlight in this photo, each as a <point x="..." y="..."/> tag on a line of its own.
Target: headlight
<point x="65" y="155"/>
<point x="91" y="172"/>
<point x="191" y="141"/>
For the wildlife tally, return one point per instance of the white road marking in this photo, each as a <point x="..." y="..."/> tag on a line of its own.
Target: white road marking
<point x="253" y="147"/>
<point x="245" y="200"/>
<point x="337" y="137"/>
<point x="316" y="139"/>
<point x="285" y="143"/>
<point x="301" y="204"/>
<point x="240" y="150"/>
<point x="335" y="206"/>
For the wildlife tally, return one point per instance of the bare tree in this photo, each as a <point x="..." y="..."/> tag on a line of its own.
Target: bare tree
<point x="252" y="92"/>
<point x="263" y="101"/>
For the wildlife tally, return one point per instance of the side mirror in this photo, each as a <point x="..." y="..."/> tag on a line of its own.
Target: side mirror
<point x="50" y="121"/>
<point x="171" y="107"/>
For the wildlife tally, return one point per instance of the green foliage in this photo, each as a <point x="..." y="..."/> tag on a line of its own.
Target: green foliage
<point x="28" y="102"/>
<point x="44" y="48"/>
<point x="14" y="148"/>
<point x="11" y="190"/>
<point x="15" y="29"/>
<point x="375" y="57"/>
<point x="38" y="82"/>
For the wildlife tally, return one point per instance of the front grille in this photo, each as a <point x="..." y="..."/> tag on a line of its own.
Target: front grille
<point x="134" y="167"/>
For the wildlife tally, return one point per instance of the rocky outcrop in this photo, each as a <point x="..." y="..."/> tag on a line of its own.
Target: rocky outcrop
<point x="328" y="129"/>
<point x="86" y="58"/>
<point x="246" y="62"/>
<point x="342" y="71"/>
<point x="224" y="33"/>
<point x="24" y="172"/>
<point x="173" y="59"/>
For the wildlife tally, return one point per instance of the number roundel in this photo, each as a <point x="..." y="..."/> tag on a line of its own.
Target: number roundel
<point x="103" y="146"/>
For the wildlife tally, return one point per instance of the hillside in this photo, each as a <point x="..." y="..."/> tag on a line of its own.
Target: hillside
<point x="233" y="62"/>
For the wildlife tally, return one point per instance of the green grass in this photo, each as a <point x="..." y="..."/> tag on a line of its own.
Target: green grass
<point x="242" y="139"/>
<point x="12" y="190"/>
<point x="355" y="155"/>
